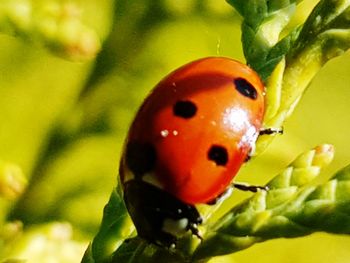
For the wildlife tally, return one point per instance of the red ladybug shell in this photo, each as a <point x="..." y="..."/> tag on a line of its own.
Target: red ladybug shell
<point x="195" y="129"/>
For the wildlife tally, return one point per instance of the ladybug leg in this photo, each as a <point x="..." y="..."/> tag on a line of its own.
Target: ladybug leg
<point x="269" y="131"/>
<point x="240" y="186"/>
<point x="194" y="230"/>
<point x="221" y="197"/>
<point x="263" y="131"/>
<point x="250" y="188"/>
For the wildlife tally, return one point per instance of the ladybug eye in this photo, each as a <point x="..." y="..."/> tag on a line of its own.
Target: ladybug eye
<point x="218" y="154"/>
<point x="185" y="109"/>
<point x="245" y="88"/>
<point x="140" y="157"/>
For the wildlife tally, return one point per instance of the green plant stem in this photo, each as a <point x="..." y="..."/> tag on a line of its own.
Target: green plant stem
<point x="324" y="36"/>
<point x="263" y="22"/>
<point x="115" y="227"/>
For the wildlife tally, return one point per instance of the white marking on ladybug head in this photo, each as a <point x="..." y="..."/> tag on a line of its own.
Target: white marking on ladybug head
<point x="175" y="227"/>
<point x="152" y="179"/>
<point x="128" y="174"/>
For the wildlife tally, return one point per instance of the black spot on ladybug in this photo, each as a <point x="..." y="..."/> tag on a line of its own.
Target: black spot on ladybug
<point x="218" y="154"/>
<point x="185" y="109"/>
<point x="140" y="157"/>
<point x="245" y="88"/>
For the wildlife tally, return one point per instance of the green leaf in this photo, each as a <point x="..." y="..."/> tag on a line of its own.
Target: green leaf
<point x="115" y="227"/>
<point x="137" y="250"/>
<point x="263" y="22"/>
<point x="325" y="35"/>
<point x="305" y="49"/>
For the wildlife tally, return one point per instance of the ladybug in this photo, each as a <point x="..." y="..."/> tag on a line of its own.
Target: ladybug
<point x="186" y="144"/>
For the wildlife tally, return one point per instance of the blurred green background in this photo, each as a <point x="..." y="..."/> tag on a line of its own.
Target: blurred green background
<point x="64" y="122"/>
